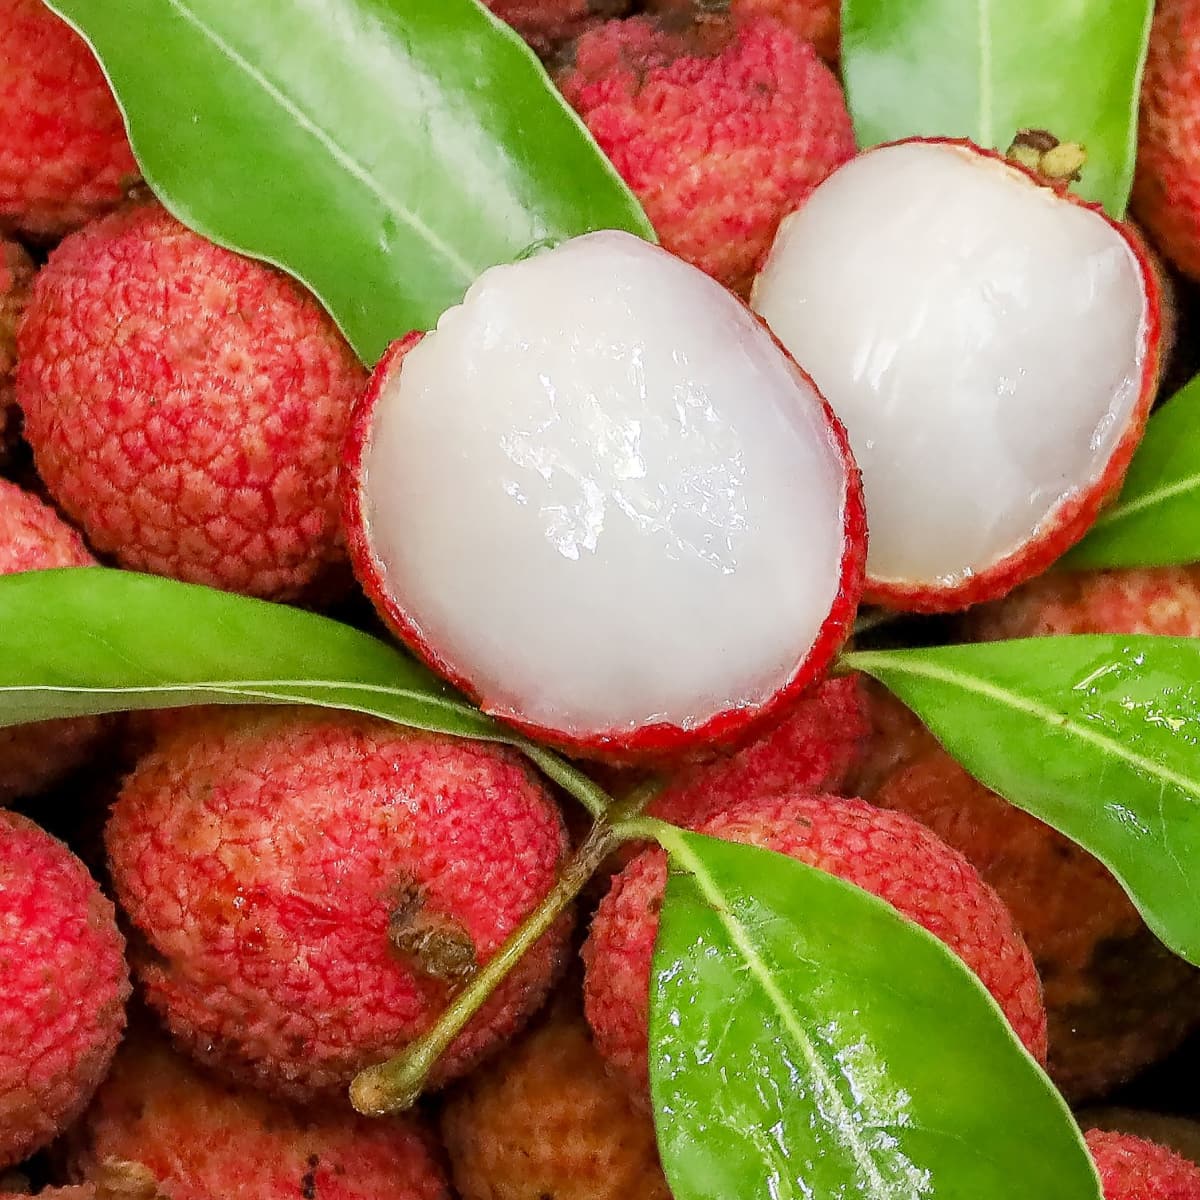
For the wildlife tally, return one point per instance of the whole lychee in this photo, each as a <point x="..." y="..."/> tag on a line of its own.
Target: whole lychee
<point x="992" y="345"/>
<point x="1116" y="998"/>
<point x="885" y="853"/>
<point x="16" y="276"/>
<point x="546" y="1119"/>
<point x="1133" y="1169"/>
<point x="816" y="21"/>
<point x="186" y="406"/>
<point x="35" y="757"/>
<point x="64" y="157"/>
<point x="656" y="526"/>
<point x="720" y="129"/>
<point x="159" y="1122"/>
<point x="313" y="887"/>
<point x="546" y="24"/>
<point x="62" y="1005"/>
<point x="1166" y="190"/>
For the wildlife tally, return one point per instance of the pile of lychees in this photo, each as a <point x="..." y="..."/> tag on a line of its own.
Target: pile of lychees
<point x="212" y="920"/>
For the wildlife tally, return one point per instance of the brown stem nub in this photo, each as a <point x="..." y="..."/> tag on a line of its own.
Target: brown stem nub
<point x="1040" y="151"/>
<point x="437" y="945"/>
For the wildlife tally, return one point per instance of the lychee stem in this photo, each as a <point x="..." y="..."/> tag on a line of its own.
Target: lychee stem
<point x="1041" y="152"/>
<point x="572" y="780"/>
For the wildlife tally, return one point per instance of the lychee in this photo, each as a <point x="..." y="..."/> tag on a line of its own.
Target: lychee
<point x="35" y="757"/>
<point x="16" y="276"/>
<point x="992" y="345"/>
<point x="546" y="24"/>
<point x="186" y="406"/>
<point x="720" y="129"/>
<point x="1166" y="191"/>
<point x="547" y="1119"/>
<point x="1116" y="998"/>
<point x="313" y="887"/>
<point x="65" y="157"/>
<point x="885" y="853"/>
<point x="159" y="1122"/>
<point x="603" y="502"/>
<point x="62" y="1005"/>
<point x="816" y="21"/>
<point x="1133" y="1169"/>
<point x="1181" y="1134"/>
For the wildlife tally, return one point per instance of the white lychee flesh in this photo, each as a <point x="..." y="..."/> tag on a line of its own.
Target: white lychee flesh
<point x="600" y="497"/>
<point x="981" y="337"/>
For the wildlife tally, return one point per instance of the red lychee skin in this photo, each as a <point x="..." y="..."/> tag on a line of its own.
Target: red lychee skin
<point x="1154" y="600"/>
<point x="65" y="157"/>
<point x="1117" y="1000"/>
<point x="159" y="1118"/>
<point x="62" y="1011"/>
<point x="1166" y="190"/>
<point x="1072" y="519"/>
<point x="816" y="21"/>
<point x="721" y="131"/>
<point x="270" y="857"/>
<point x="546" y="24"/>
<point x="35" y="757"/>
<point x="885" y="853"/>
<point x="1133" y="1169"/>
<point x="546" y="1119"/>
<point x="16" y="277"/>
<point x="186" y="406"/>
<point x="658" y="743"/>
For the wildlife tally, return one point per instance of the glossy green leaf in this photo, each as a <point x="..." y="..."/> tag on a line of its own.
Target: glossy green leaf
<point x="806" y="1040"/>
<point x="385" y="152"/>
<point x="1156" y="519"/>
<point x="983" y="69"/>
<point x="1098" y="736"/>
<point x="92" y="640"/>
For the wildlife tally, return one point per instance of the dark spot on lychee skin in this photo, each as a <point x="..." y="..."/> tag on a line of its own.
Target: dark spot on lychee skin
<point x="436" y="945"/>
<point x="308" y="1186"/>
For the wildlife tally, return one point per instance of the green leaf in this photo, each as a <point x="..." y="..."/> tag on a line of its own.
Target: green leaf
<point x="385" y="152"/>
<point x="806" y="1040"/>
<point x="983" y="69"/>
<point x="1156" y="520"/>
<point x="1095" y="735"/>
<point x="92" y="640"/>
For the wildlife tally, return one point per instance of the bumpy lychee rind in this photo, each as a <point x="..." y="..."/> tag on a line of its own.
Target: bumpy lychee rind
<point x="546" y="24"/>
<point x="35" y="757"/>
<point x="720" y="130"/>
<point x="62" y="1011"/>
<point x="186" y="406"/>
<point x="1166" y="190"/>
<point x="661" y="742"/>
<point x="65" y="157"/>
<point x="885" y="853"/>
<point x="16" y="277"/>
<point x="547" y="1119"/>
<point x="1133" y="1169"/>
<point x="816" y="21"/>
<point x="160" y="1120"/>
<point x="313" y="887"/>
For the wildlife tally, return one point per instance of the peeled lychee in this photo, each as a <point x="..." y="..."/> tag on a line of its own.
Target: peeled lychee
<point x="35" y="757"/>
<point x="883" y="852"/>
<point x="547" y="1119"/>
<point x="603" y="502"/>
<point x="816" y="21"/>
<point x="720" y="129"/>
<point x="64" y="157"/>
<point x="186" y="406"/>
<point x="16" y="275"/>
<point x="1133" y="1169"/>
<point x="991" y="344"/>
<point x="545" y="24"/>
<point x="1166" y="190"/>
<point x="161" y="1123"/>
<point x="62" y="1003"/>
<point x="313" y="887"/>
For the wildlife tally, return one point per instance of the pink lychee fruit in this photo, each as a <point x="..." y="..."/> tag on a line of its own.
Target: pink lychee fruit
<point x="186" y="406"/>
<point x="64" y="158"/>
<point x="1166" y="190"/>
<point x="62" y="1006"/>
<point x="720" y="129"/>
<point x="546" y="24"/>
<point x="603" y="502"/>
<point x="816" y="21"/>
<point x="991" y="343"/>
<point x="885" y="853"/>
<point x="1133" y="1169"/>
<point x="313" y="887"/>
<point x="160" y="1123"/>
<point x="35" y="757"/>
